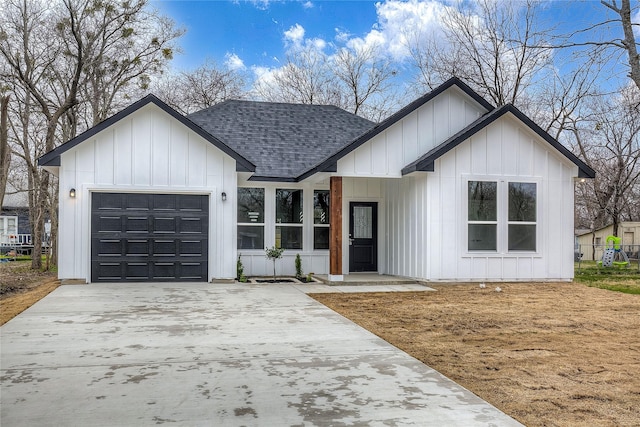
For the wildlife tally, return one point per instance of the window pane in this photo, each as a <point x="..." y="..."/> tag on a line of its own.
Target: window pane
<point x="482" y="200"/>
<point x="522" y="237"/>
<point x="320" y="237"/>
<point x="362" y="222"/>
<point x="251" y="205"/>
<point x="482" y="237"/>
<point x="289" y="237"/>
<point x="250" y="237"/>
<point x="522" y="201"/>
<point x="321" y="207"/>
<point x="289" y="206"/>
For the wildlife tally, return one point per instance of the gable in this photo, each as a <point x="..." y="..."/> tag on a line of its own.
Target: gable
<point x="426" y="162"/>
<point x="146" y="148"/>
<point x="51" y="160"/>
<point x="412" y="135"/>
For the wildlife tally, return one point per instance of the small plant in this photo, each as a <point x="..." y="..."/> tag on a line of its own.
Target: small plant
<point x="240" y="270"/>
<point x="298" y="267"/>
<point x="274" y="254"/>
<point x="309" y="277"/>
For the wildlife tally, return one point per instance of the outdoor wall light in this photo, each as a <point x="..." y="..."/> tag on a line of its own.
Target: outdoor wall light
<point x="224" y="196"/>
<point x="72" y="193"/>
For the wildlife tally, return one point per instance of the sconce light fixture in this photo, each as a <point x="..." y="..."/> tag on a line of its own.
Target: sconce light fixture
<point x="72" y="193"/>
<point x="224" y="196"/>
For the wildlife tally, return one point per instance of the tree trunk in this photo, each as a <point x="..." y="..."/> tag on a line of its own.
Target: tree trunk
<point x="5" y="150"/>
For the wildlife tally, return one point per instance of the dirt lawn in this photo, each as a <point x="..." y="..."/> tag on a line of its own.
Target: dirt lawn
<point x="546" y="354"/>
<point x="21" y="287"/>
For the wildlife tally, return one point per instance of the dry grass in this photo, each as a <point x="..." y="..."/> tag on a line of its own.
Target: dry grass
<point x="21" y="287"/>
<point x="546" y="354"/>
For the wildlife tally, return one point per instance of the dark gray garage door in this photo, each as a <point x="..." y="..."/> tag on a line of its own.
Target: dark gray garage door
<point x="149" y="237"/>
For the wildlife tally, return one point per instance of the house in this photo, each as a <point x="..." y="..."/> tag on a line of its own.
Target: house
<point x="14" y="220"/>
<point x="449" y="188"/>
<point x="591" y="244"/>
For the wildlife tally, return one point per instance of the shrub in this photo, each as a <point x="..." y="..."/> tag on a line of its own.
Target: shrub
<point x="298" y="266"/>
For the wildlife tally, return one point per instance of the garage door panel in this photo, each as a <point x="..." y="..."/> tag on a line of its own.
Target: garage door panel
<point x="164" y="225"/>
<point x="138" y="202"/>
<point x="110" y="271"/>
<point x="162" y="202"/>
<point x="107" y="224"/>
<point x="190" y="270"/>
<point x="109" y="202"/>
<point x="192" y="225"/>
<point x="165" y="248"/>
<point x="164" y="270"/>
<point x="192" y="248"/>
<point x="167" y="242"/>
<point x="136" y="270"/>
<point x="136" y="224"/>
<point x="193" y="203"/>
<point x="109" y="247"/>
<point x="136" y="247"/>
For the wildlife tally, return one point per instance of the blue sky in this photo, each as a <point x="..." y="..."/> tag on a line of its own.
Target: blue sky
<point x="255" y="35"/>
<point x="254" y="31"/>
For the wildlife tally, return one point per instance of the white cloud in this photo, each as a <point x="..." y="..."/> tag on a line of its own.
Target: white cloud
<point x="295" y="34"/>
<point x="307" y="5"/>
<point x="233" y="62"/>
<point x="400" y="21"/>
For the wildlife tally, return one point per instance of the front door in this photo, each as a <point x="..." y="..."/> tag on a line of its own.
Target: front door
<point x="363" y="236"/>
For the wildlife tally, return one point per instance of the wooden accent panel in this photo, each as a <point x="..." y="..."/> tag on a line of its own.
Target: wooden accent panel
<point x="335" y="229"/>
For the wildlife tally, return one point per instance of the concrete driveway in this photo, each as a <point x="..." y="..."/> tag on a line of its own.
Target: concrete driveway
<point x="214" y="355"/>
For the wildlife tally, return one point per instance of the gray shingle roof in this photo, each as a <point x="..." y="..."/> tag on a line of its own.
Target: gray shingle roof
<point x="282" y="140"/>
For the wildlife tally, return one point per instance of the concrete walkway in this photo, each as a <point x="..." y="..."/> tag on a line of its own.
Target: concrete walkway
<point x="214" y="355"/>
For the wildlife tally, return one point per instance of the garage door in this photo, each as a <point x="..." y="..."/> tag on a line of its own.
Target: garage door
<point x="149" y="237"/>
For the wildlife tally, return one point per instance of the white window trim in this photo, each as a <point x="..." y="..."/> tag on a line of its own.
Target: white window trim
<point x="256" y="224"/>
<point x="502" y="229"/>
<point x="314" y="225"/>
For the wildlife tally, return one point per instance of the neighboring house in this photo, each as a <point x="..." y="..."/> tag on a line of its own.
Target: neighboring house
<point x="447" y="189"/>
<point x="592" y="244"/>
<point x="14" y="220"/>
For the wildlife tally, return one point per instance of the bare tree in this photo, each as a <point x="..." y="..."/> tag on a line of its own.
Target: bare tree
<point x="56" y="54"/>
<point x="306" y="78"/>
<point x="366" y="77"/>
<point x="599" y="38"/>
<point x="610" y="141"/>
<point x="203" y="87"/>
<point x="497" y="47"/>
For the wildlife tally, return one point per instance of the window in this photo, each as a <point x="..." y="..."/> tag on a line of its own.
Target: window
<point x="490" y="205"/>
<point x="482" y="210"/>
<point x="522" y="216"/>
<point x="321" y="219"/>
<point x="289" y="212"/>
<point x="250" y="218"/>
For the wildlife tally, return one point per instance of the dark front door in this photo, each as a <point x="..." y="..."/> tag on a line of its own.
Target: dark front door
<point x="363" y="236"/>
<point x="149" y="237"/>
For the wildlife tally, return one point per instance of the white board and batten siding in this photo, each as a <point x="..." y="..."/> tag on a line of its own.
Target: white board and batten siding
<point x="427" y="219"/>
<point x="428" y="126"/>
<point x="148" y="151"/>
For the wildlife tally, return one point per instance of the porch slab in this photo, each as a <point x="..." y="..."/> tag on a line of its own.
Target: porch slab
<point x="367" y="279"/>
<point x="349" y="288"/>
